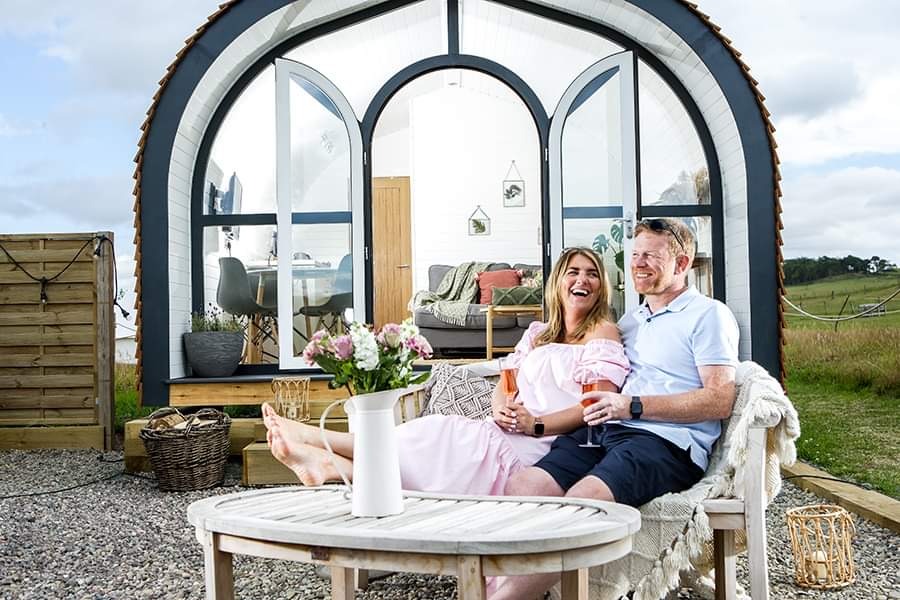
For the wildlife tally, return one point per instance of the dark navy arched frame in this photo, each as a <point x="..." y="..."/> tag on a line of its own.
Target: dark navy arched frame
<point x="221" y="32"/>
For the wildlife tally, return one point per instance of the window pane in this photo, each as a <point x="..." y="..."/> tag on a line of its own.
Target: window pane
<point x="673" y="165"/>
<point x="459" y="135"/>
<point x="701" y="274"/>
<point x="592" y="146"/>
<point x="361" y="58"/>
<point x="322" y="279"/>
<point x="239" y="280"/>
<point x="320" y="151"/>
<point x="240" y="175"/>
<point x="546" y="54"/>
<point x="605" y="237"/>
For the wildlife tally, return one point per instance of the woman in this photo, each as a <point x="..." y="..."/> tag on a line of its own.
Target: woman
<point x="454" y="454"/>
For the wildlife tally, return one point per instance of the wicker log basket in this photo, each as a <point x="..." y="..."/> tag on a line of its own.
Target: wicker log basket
<point x="187" y="453"/>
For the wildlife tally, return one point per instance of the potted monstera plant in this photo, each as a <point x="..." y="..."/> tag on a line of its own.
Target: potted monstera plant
<point x="215" y="343"/>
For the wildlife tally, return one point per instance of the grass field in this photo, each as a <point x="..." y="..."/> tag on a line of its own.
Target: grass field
<point x="845" y="381"/>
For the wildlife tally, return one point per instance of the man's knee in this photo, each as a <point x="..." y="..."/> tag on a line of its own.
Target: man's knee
<point x="591" y="487"/>
<point x="532" y="481"/>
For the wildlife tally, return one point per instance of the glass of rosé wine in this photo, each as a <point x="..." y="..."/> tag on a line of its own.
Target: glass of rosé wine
<point x="593" y="386"/>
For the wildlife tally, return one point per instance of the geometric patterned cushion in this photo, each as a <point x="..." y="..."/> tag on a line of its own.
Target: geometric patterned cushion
<point x="457" y="391"/>
<point x="519" y="294"/>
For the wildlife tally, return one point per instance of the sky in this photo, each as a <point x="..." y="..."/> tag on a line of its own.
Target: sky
<point x="78" y="77"/>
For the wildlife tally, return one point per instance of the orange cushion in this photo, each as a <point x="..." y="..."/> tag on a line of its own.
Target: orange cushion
<point x="487" y="280"/>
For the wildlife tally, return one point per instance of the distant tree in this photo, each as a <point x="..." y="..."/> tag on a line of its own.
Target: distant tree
<point x="803" y="270"/>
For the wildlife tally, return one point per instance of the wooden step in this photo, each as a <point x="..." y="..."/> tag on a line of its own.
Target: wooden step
<point x="261" y="468"/>
<point x="28" y="438"/>
<point x="243" y="431"/>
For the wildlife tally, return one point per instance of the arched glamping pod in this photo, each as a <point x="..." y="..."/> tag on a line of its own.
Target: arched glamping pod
<point x="336" y="151"/>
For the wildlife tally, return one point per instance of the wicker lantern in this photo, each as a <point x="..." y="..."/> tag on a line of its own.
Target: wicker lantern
<point x="292" y="397"/>
<point x="821" y="536"/>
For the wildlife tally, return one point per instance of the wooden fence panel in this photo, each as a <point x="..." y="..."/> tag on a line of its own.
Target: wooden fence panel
<point x="56" y="352"/>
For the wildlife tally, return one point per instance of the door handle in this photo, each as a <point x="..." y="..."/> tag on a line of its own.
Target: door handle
<point x="402" y="266"/>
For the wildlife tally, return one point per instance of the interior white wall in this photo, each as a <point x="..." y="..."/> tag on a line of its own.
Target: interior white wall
<point x="390" y="154"/>
<point x="462" y="144"/>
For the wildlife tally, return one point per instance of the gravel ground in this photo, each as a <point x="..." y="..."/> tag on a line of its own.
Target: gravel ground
<point x="122" y="538"/>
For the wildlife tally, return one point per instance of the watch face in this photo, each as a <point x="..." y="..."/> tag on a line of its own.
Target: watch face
<point x="538" y="429"/>
<point x="637" y="408"/>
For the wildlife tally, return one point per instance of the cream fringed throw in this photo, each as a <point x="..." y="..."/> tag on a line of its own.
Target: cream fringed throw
<point x="675" y="533"/>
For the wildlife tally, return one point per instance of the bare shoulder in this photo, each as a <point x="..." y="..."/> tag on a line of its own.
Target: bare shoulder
<point x="604" y="330"/>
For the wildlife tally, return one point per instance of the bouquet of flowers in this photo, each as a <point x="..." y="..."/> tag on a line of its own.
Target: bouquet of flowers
<point x="366" y="361"/>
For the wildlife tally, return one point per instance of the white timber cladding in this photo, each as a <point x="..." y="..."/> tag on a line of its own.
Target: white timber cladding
<point x="645" y="29"/>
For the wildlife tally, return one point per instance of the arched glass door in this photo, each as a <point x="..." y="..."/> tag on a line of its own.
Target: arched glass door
<point x="593" y="169"/>
<point x="319" y="196"/>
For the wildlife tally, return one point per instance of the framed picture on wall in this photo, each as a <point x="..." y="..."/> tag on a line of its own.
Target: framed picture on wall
<point x="479" y="222"/>
<point x="513" y="192"/>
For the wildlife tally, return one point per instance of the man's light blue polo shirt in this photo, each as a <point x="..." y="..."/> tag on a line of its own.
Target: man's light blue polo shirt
<point x="665" y="348"/>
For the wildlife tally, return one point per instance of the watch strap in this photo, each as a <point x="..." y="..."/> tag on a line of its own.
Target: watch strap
<point x="637" y="407"/>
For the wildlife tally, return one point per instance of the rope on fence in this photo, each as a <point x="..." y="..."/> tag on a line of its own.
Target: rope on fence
<point x="98" y="249"/>
<point x="832" y="319"/>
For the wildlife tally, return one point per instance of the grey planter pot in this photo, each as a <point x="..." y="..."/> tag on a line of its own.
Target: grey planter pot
<point x="213" y="353"/>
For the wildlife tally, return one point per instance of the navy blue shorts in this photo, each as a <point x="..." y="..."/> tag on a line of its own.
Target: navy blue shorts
<point x="635" y="464"/>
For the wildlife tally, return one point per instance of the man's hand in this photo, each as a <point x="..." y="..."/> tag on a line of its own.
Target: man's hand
<point x="609" y="406"/>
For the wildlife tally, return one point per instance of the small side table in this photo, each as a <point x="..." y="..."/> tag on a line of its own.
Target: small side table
<point x="517" y="310"/>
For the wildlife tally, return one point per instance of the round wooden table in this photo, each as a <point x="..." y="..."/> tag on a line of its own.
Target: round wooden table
<point x="467" y="536"/>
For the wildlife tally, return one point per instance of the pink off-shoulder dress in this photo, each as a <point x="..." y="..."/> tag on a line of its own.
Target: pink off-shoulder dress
<point x="457" y="455"/>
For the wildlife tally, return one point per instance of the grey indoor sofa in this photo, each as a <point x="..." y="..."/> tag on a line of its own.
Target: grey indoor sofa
<point x="470" y="338"/>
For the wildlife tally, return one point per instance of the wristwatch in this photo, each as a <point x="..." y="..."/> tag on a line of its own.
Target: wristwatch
<point x="637" y="407"/>
<point x="538" y="427"/>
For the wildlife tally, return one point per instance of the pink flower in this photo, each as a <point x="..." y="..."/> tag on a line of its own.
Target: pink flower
<point x="343" y="347"/>
<point x="390" y="335"/>
<point x="315" y="347"/>
<point x="420" y="346"/>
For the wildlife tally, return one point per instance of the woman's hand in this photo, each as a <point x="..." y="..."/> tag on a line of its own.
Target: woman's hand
<point x="609" y="406"/>
<point x="514" y="418"/>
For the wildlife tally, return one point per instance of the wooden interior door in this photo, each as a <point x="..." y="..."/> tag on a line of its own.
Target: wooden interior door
<point x="392" y="248"/>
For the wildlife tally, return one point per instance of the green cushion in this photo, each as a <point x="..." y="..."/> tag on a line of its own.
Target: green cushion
<point x="517" y="295"/>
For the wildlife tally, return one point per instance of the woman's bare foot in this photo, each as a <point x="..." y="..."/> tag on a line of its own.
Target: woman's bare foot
<point x="298" y="432"/>
<point x="313" y="466"/>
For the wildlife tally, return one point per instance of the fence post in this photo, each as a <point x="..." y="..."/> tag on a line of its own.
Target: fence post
<point x="106" y="340"/>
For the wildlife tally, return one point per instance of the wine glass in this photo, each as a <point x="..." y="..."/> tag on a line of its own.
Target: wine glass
<point x="508" y="374"/>
<point x="593" y="386"/>
<point x="508" y="385"/>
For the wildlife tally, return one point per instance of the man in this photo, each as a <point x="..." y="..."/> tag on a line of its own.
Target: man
<point x="658" y="432"/>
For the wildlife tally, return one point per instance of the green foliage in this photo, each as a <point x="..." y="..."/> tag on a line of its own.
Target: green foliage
<point x="802" y="270"/>
<point x="613" y="243"/>
<point x="845" y="382"/>
<point x="214" y="320"/>
<point x="126" y="396"/>
<point x="850" y="434"/>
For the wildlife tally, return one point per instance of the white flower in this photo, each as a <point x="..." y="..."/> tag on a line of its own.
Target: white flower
<point x="365" y="347"/>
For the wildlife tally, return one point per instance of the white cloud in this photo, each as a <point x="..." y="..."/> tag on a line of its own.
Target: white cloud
<point x="855" y="212"/>
<point x="62" y="52"/>
<point x="10" y="128"/>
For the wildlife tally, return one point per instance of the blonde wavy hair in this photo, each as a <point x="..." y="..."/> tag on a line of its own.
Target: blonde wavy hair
<point x="556" y="322"/>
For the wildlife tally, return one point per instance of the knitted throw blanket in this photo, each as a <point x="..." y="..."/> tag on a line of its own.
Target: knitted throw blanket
<point x="675" y="534"/>
<point x="451" y="300"/>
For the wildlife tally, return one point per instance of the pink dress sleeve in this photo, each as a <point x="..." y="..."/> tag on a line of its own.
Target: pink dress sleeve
<point x="526" y="344"/>
<point x="602" y="359"/>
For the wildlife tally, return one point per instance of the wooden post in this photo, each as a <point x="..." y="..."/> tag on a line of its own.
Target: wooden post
<point x="725" y="561"/>
<point x="489" y="331"/>
<point x="342" y="583"/>
<point x="470" y="578"/>
<point x="106" y="340"/>
<point x="574" y="585"/>
<point x="755" y="511"/>
<point x="218" y="569"/>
